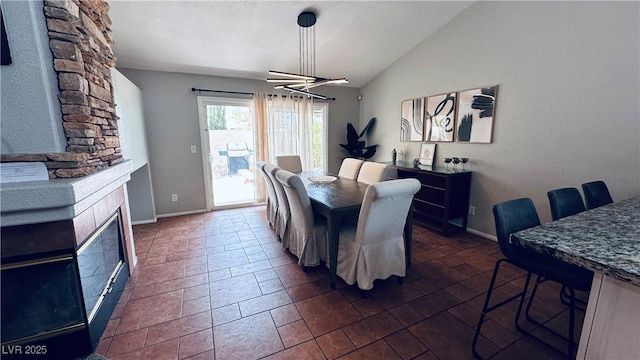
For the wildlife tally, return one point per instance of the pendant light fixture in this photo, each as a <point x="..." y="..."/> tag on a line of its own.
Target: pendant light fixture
<point x="306" y="79"/>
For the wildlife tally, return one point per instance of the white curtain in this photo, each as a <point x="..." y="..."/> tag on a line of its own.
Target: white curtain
<point x="288" y="122"/>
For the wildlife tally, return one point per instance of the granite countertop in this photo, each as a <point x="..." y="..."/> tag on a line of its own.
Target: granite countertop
<point x="604" y="240"/>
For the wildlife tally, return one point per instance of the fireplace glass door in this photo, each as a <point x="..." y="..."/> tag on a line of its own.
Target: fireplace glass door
<point x="100" y="259"/>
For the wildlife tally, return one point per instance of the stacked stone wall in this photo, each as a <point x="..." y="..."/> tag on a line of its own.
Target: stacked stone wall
<point x="81" y="43"/>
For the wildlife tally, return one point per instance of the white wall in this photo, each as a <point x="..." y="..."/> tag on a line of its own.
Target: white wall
<point x="133" y="141"/>
<point x="568" y="99"/>
<point x="130" y="110"/>
<point x="140" y="193"/>
<point x="172" y="126"/>
<point x="31" y="120"/>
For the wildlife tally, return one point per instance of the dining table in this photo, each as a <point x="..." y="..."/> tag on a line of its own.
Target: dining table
<point x="605" y="240"/>
<point x="339" y="199"/>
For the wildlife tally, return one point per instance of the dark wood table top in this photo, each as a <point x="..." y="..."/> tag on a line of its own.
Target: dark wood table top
<point x="342" y="194"/>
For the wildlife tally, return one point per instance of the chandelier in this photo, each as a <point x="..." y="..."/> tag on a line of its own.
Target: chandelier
<point x="304" y="81"/>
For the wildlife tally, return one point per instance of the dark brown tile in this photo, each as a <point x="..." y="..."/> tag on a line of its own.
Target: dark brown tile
<point x="195" y="343"/>
<point x="227" y="259"/>
<point x="264" y="302"/>
<point x="308" y="351"/>
<point x="327" y="312"/>
<point x="335" y="344"/>
<point x="405" y="344"/>
<point x="252" y="337"/>
<point x="166" y="351"/>
<point x="127" y="342"/>
<point x="285" y="314"/>
<point x="250" y="267"/>
<point x="270" y="286"/>
<point x="292" y="275"/>
<point x="367" y="307"/>
<point x="224" y="259"/>
<point x="378" y="350"/>
<point x="371" y="329"/>
<point x="233" y="290"/>
<point x="225" y="314"/>
<point x="136" y="315"/>
<point x="406" y="315"/>
<point x="449" y="338"/>
<point x="195" y="292"/>
<point x="182" y="283"/>
<point x="434" y="303"/>
<point x="179" y="327"/>
<point x="265" y="275"/>
<point x="294" y="333"/>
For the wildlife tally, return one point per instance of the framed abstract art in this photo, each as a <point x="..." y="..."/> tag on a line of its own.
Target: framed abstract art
<point x="440" y="117"/>
<point x="476" y="112"/>
<point x="412" y="120"/>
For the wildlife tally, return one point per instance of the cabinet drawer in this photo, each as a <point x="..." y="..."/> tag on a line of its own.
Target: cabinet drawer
<point x="431" y="195"/>
<point x="432" y="180"/>
<point x="428" y="209"/>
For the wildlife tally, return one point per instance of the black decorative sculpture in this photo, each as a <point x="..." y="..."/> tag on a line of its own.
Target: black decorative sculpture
<point x="355" y="146"/>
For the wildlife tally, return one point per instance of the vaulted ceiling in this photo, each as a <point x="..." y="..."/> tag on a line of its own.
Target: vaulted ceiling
<point x="245" y="39"/>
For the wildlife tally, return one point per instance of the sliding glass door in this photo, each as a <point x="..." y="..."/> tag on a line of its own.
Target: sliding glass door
<point x="228" y="128"/>
<point x="227" y="131"/>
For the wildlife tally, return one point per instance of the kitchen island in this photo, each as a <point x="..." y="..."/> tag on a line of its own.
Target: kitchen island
<point x="605" y="240"/>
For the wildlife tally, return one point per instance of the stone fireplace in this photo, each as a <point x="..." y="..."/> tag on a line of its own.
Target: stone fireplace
<point x="67" y="243"/>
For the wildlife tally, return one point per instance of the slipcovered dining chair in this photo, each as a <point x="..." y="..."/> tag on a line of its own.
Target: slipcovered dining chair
<point x="513" y="216"/>
<point x="350" y="168"/>
<point x="290" y="163"/>
<point x="565" y="202"/>
<point x="272" y="199"/>
<point x="596" y="194"/>
<point x="374" y="247"/>
<point x="372" y="172"/>
<point x="307" y="235"/>
<point x="283" y="213"/>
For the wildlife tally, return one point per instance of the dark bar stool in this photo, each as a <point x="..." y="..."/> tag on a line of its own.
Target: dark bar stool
<point x="513" y="216"/>
<point x="565" y="202"/>
<point x="596" y="194"/>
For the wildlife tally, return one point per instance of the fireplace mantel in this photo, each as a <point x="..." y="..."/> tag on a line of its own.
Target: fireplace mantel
<point x="35" y="202"/>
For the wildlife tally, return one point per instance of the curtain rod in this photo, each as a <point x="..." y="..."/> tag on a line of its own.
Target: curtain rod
<point x="243" y="93"/>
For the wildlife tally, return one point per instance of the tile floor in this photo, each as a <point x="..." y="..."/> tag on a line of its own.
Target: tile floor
<point x="219" y="286"/>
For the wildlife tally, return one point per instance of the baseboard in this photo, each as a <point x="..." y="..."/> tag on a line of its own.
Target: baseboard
<point x="191" y="212"/>
<point x="142" y="222"/>
<point x="481" y="234"/>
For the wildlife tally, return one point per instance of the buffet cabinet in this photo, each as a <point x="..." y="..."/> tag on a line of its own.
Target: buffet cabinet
<point x="442" y="203"/>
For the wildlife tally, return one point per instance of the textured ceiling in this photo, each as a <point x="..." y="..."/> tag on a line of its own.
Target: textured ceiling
<point x="245" y="39"/>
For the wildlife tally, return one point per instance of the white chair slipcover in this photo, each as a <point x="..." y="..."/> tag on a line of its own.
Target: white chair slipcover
<point x="307" y="236"/>
<point x="272" y="200"/>
<point x="290" y="163"/>
<point x="374" y="249"/>
<point x="372" y="172"/>
<point x="350" y="168"/>
<point x="282" y="213"/>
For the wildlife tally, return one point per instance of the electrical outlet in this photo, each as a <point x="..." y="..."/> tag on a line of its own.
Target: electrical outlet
<point x="194" y="149"/>
<point x="174" y="197"/>
<point x="472" y="210"/>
